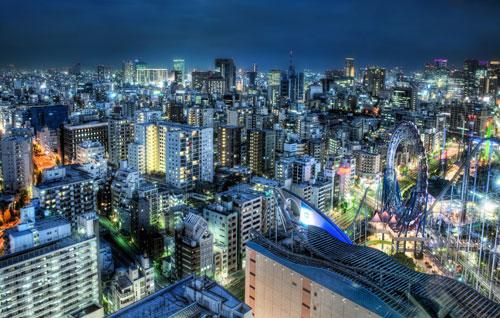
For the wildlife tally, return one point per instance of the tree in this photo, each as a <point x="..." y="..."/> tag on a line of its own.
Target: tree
<point x="405" y="260"/>
<point x="23" y="199"/>
<point x="6" y="216"/>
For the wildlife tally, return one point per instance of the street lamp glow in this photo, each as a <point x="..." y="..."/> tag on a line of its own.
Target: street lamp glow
<point x="489" y="206"/>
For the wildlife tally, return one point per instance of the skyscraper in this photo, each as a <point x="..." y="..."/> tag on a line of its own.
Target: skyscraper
<point x="103" y="73"/>
<point x="179" y="69"/>
<point x="349" y="70"/>
<point x="128" y="72"/>
<point x="375" y="80"/>
<point x="292" y="85"/>
<point x="227" y="69"/>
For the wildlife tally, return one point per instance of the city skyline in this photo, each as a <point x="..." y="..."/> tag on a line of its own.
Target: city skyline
<point x="59" y="34"/>
<point x="241" y="159"/>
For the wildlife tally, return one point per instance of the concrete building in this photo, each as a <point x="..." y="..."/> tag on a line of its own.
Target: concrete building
<point x="121" y="134"/>
<point x="223" y="223"/>
<point x="56" y="279"/>
<point x="67" y="192"/>
<point x="132" y="284"/>
<point x="249" y="206"/>
<point x="151" y="76"/>
<point x="123" y="187"/>
<point x="17" y="161"/>
<point x="188" y="297"/>
<point x="321" y="273"/>
<point x="229" y="146"/>
<point x="90" y="157"/>
<point x="261" y="150"/>
<point x="29" y="234"/>
<point x="193" y="247"/>
<point x="200" y="117"/>
<point x="73" y="135"/>
<point x="368" y="163"/>
<point x="375" y="80"/>
<point x="183" y="153"/>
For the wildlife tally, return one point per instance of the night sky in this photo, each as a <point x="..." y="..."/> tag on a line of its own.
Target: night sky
<point x="57" y="33"/>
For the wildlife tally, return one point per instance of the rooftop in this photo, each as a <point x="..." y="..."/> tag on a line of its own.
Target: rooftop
<point x="183" y="297"/>
<point x="22" y="256"/>
<point x="72" y="176"/>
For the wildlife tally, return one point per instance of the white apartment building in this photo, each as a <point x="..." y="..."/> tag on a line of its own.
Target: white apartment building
<point x="54" y="279"/>
<point x="132" y="284"/>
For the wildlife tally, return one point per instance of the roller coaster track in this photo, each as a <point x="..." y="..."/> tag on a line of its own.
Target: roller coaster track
<point x="461" y="167"/>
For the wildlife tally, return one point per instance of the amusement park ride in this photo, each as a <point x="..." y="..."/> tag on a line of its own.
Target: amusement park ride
<point x="457" y="229"/>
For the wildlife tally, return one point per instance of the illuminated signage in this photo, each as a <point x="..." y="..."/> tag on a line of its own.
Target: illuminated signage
<point x="311" y="216"/>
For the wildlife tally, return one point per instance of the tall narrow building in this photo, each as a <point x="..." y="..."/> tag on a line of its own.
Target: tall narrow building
<point x="17" y="162"/>
<point x="227" y="69"/>
<point x="193" y="247"/>
<point x="120" y="135"/>
<point x="261" y="150"/>
<point x="349" y="69"/>
<point x="229" y="145"/>
<point x="375" y="80"/>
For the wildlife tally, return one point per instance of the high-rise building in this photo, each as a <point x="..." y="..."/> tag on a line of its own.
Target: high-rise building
<point x="261" y="150"/>
<point x="151" y="76"/>
<point x="273" y="85"/>
<point x="91" y="159"/>
<point x="192" y="297"/>
<point x="187" y="153"/>
<point x="249" y="205"/>
<point x="470" y="68"/>
<point x="123" y="188"/>
<point x="50" y="116"/>
<point x="292" y="84"/>
<point x="404" y="98"/>
<point x="223" y="223"/>
<point x="375" y="80"/>
<point x="103" y="73"/>
<point x="368" y="163"/>
<point x="179" y="69"/>
<point x="209" y="82"/>
<point x="229" y="145"/>
<point x="227" y="68"/>
<point x="193" y="247"/>
<point x="120" y="134"/>
<point x="349" y="70"/>
<point x="73" y="135"/>
<point x="200" y="116"/>
<point x="58" y="278"/>
<point x="128" y="72"/>
<point x="252" y="77"/>
<point x="17" y="162"/>
<point x="67" y="192"/>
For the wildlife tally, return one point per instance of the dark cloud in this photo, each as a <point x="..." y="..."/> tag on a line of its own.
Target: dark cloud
<point x="36" y="33"/>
